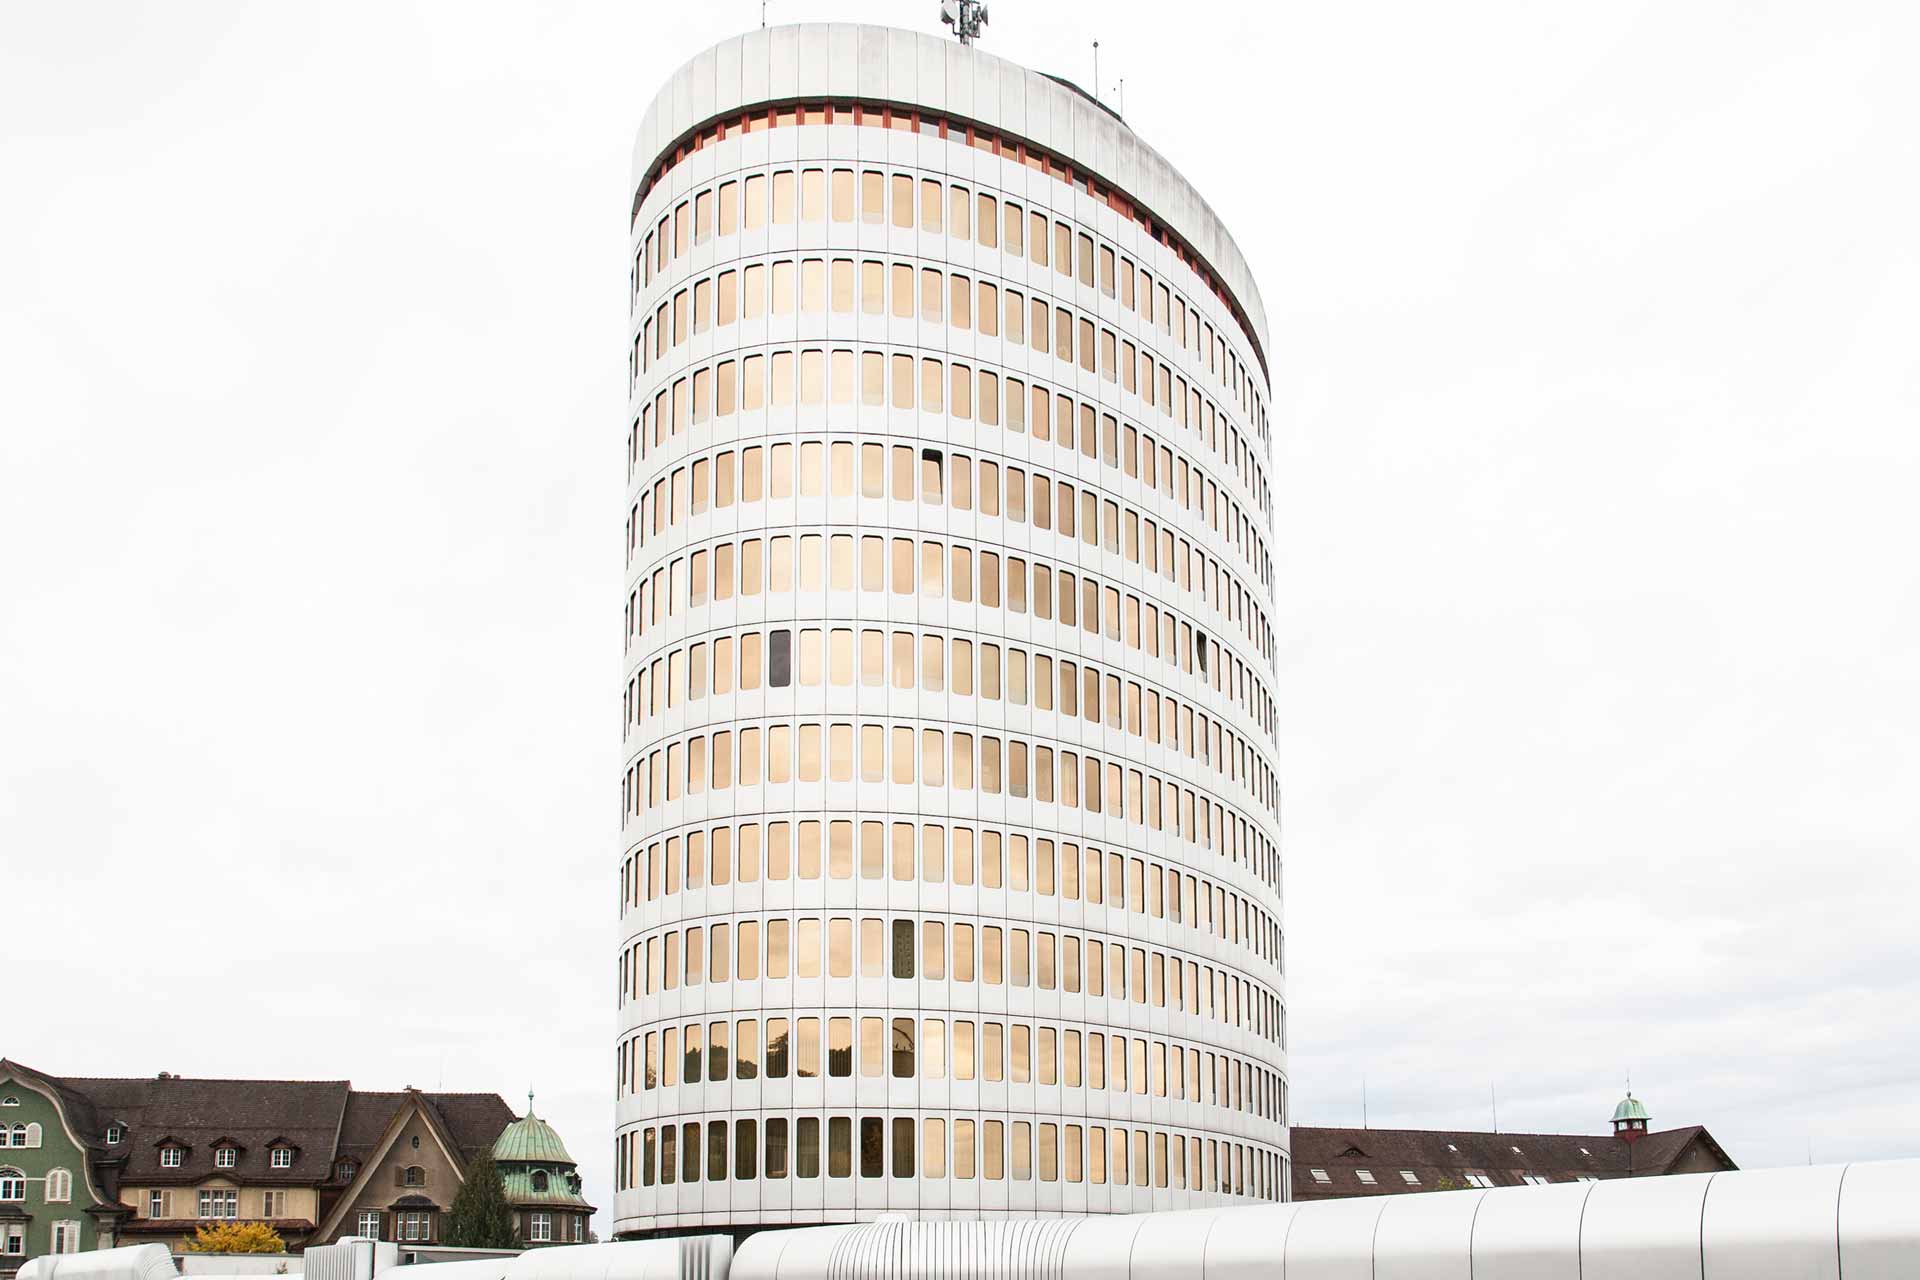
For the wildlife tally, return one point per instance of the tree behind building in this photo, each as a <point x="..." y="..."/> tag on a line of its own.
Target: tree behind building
<point x="481" y="1217"/>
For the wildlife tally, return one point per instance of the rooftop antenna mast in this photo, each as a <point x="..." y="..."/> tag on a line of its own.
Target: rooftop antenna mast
<point x="1096" y="71"/>
<point x="966" y="17"/>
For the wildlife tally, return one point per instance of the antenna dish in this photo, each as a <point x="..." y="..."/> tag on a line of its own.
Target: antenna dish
<point x="966" y="17"/>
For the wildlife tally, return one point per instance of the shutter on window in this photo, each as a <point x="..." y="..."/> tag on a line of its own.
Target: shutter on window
<point x="399" y="1177"/>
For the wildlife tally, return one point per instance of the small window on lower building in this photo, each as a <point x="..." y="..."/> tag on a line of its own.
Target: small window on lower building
<point x="415" y="1225"/>
<point x="368" y="1224"/>
<point x="13" y="1239"/>
<point x="540" y="1228"/>
<point x="219" y="1202"/>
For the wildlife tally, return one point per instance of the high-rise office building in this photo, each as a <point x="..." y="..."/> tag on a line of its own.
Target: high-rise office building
<point x="950" y="879"/>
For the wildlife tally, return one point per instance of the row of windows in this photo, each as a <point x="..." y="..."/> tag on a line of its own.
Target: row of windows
<point x="990" y="1150"/>
<point x="1197" y="572"/>
<point x="783" y="288"/>
<point x="813" y="947"/>
<point x="931" y="1049"/>
<point x="782" y="379"/>
<point x="827" y="657"/>
<point x="784" y="197"/>
<point x="219" y="1203"/>
<point x="57" y="1187"/>
<point x="20" y="1135"/>
<point x="936" y="570"/>
<point x="62" y="1237"/>
<point x="936" y="855"/>
<point x="827" y="469"/>
<point x="957" y="760"/>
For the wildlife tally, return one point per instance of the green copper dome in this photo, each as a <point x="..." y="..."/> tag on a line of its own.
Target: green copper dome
<point x="531" y="1138"/>
<point x="1630" y="1108"/>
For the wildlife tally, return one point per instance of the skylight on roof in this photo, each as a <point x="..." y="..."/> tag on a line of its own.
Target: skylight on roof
<point x="1320" y="1175"/>
<point x="1365" y="1175"/>
<point x="1412" y="1178"/>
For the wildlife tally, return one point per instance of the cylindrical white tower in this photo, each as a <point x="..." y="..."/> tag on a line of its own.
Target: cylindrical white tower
<point x="950" y="879"/>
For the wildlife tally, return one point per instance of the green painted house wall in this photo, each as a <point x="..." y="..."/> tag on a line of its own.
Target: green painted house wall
<point x="27" y="1112"/>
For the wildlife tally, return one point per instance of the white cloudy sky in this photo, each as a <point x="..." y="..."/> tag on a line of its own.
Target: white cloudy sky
<point x="1594" y="343"/>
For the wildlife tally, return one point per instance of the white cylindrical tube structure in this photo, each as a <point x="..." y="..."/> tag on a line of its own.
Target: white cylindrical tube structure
<point x="950" y="875"/>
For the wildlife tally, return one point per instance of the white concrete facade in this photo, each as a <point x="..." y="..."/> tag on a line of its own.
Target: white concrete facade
<point x="920" y="609"/>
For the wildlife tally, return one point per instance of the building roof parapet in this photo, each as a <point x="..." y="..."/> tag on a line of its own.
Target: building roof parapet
<point x="829" y="61"/>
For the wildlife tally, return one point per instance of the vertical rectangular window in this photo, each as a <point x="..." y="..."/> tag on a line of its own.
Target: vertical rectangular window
<point x="840" y="1046"/>
<point x="903" y="201"/>
<point x="903" y="1147"/>
<point x="806" y="1162"/>
<point x="840" y="1147"/>
<point x="933" y="1148"/>
<point x="754" y="202"/>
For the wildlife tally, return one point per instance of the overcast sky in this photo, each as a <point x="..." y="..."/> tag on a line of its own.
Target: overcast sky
<point x="1594" y="339"/>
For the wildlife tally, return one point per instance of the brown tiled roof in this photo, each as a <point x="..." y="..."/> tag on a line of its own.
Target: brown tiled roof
<point x="322" y="1120"/>
<point x="199" y="1113"/>
<point x="1506" y="1159"/>
<point x="473" y="1120"/>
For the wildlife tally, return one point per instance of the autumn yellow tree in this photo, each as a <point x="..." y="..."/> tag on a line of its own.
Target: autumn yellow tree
<point x="236" y="1237"/>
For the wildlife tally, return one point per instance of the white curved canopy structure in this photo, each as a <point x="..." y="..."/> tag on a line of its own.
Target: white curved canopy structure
<point x="135" y="1262"/>
<point x="1860" y="1222"/>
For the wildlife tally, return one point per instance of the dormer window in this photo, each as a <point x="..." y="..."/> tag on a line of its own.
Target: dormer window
<point x="9" y="1101"/>
<point x="343" y="1170"/>
<point x="115" y="1135"/>
<point x="172" y="1157"/>
<point x="280" y="1158"/>
<point x="225" y="1158"/>
<point x="539" y="1179"/>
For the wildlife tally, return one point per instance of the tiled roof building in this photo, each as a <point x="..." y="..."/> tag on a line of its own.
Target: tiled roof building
<point x="1333" y="1163"/>
<point x="317" y="1159"/>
